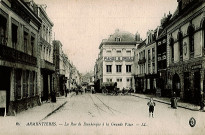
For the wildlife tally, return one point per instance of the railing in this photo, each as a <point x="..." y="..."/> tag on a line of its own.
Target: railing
<point x="10" y="54"/>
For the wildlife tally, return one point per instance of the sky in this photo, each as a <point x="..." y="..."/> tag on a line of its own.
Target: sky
<point x="81" y="25"/>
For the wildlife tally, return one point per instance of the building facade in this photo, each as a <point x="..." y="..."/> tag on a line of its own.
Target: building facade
<point x="151" y="61"/>
<point x="19" y="28"/>
<point x="47" y="67"/>
<point x="140" y="67"/>
<point x="116" y="57"/>
<point x="161" y="42"/>
<point x="66" y="74"/>
<point x="185" y="50"/>
<point x="60" y="80"/>
<point x="146" y="64"/>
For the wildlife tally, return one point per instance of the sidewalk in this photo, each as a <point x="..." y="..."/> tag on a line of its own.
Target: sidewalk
<point x="38" y="113"/>
<point x="165" y="100"/>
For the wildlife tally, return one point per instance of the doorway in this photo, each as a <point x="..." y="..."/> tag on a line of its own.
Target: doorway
<point x="176" y="85"/>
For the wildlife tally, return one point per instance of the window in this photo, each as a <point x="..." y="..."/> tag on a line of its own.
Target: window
<point x="109" y="68"/>
<point x="128" y="52"/>
<point x="25" y="42"/>
<point x="14" y="35"/>
<point x="119" y="79"/>
<point x="149" y="56"/>
<point x="149" y="68"/>
<point x="172" y="48"/>
<point x="153" y="53"/>
<point x="118" y="39"/>
<point x="129" y="79"/>
<point x="153" y="67"/>
<point x="191" y="38"/>
<point x="128" y="68"/>
<point x="118" y="52"/>
<point x="109" y="80"/>
<point x="3" y="37"/>
<point x="180" y="39"/>
<point x="119" y="68"/>
<point x="32" y="45"/>
<point x="144" y="54"/>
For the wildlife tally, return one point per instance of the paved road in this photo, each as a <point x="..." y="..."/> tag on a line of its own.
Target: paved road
<point x="100" y="114"/>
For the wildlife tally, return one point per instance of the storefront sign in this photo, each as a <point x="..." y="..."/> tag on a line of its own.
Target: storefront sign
<point x="118" y="58"/>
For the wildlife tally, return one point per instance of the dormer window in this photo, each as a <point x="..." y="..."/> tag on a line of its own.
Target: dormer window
<point x="118" y="39"/>
<point x="118" y="51"/>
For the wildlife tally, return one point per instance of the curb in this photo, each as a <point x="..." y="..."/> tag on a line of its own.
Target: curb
<point x="167" y="103"/>
<point x="56" y="108"/>
<point x="54" y="111"/>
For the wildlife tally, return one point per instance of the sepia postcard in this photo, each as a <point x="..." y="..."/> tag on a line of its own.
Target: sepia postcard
<point x="102" y="67"/>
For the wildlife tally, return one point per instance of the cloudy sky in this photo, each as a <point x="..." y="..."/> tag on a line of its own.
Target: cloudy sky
<point x="82" y="24"/>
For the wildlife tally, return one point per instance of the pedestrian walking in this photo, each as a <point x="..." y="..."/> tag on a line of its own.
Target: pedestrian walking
<point x="151" y="105"/>
<point x="174" y="101"/>
<point x="66" y="92"/>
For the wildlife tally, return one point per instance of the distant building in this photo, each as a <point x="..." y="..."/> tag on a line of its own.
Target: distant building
<point x="88" y="78"/>
<point x="66" y="74"/>
<point x="60" y="79"/>
<point x="116" y="57"/>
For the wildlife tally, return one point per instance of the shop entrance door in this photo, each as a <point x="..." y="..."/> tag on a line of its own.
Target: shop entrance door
<point x="197" y="81"/>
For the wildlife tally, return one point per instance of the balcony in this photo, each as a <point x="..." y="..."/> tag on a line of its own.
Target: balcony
<point x="13" y="55"/>
<point x="47" y="65"/>
<point x="142" y="61"/>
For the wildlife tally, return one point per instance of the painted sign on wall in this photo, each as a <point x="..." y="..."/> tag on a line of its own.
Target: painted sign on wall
<point x="118" y="58"/>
